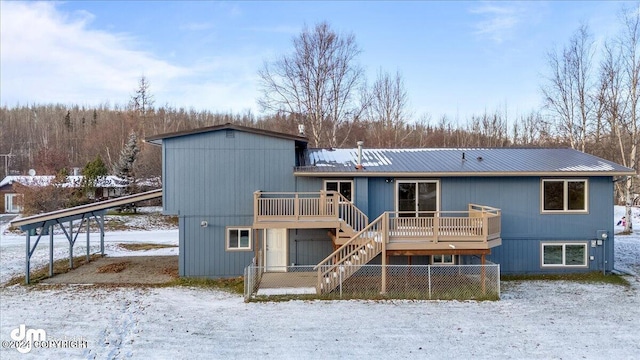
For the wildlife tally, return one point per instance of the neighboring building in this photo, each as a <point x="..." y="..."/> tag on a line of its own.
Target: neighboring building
<point x="106" y="187"/>
<point x="242" y="193"/>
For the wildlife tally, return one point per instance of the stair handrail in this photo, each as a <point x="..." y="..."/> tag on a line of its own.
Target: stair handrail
<point x="350" y="242"/>
<point x="359" y="219"/>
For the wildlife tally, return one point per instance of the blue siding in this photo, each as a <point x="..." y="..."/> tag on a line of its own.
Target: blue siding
<point x="212" y="177"/>
<point x="524" y="227"/>
<point x="309" y="246"/>
<point x="361" y="194"/>
<point x="308" y="184"/>
<point x="381" y="197"/>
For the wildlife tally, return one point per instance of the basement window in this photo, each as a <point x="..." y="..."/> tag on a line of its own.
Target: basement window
<point x="564" y="196"/>
<point x="238" y="239"/>
<point x="443" y="260"/>
<point x="564" y="255"/>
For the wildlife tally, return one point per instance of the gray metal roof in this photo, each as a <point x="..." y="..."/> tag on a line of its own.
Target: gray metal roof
<point x="157" y="139"/>
<point x="449" y="162"/>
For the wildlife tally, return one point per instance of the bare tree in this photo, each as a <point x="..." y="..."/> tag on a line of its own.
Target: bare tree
<point x="142" y="100"/>
<point x="317" y="83"/>
<point x="567" y="95"/>
<point x="629" y="42"/>
<point x="388" y="110"/>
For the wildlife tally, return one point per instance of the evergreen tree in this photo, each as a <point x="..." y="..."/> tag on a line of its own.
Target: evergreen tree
<point x="67" y="120"/>
<point x="93" y="171"/>
<point x="128" y="155"/>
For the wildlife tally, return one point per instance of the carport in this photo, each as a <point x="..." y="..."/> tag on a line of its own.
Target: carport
<point x="43" y="224"/>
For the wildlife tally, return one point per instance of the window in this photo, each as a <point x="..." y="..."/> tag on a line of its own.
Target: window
<point x="238" y="238"/>
<point x="12" y="203"/>
<point x="564" y="255"/>
<point x="344" y="187"/>
<point x="442" y="260"/>
<point x="564" y="196"/>
<point x="417" y="198"/>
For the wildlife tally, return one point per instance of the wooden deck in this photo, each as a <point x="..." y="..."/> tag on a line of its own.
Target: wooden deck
<point x="478" y="227"/>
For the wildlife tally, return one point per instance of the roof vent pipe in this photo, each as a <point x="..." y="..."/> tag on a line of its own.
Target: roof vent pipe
<point x="359" y="164"/>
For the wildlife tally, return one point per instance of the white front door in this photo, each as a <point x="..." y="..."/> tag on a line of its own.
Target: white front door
<point x="276" y="250"/>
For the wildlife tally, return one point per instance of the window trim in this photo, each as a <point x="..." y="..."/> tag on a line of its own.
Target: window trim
<point x="227" y="233"/>
<point x="564" y="254"/>
<point x="565" y="194"/>
<point x="442" y="262"/>
<point x="353" y="189"/>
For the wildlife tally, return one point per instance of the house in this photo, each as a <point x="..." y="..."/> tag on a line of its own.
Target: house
<point x="105" y="188"/>
<point x="243" y="194"/>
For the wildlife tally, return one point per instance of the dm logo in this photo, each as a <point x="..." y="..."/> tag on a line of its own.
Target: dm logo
<point x="25" y="337"/>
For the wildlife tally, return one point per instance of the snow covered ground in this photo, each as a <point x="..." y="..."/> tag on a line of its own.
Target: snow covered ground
<point x="534" y="320"/>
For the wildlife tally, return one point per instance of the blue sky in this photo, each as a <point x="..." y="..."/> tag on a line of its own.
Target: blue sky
<point x="456" y="58"/>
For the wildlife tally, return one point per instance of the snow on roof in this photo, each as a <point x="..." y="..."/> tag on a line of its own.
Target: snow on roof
<point x="109" y="181"/>
<point x="460" y="161"/>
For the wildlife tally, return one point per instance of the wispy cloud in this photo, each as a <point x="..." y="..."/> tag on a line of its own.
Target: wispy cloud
<point x="197" y="26"/>
<point x="49" y="56"/>
<point x="498" y="20"/>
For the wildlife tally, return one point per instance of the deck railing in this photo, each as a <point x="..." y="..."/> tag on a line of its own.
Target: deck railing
<point x="307" y="206"/>
<point x="359" y="250"/>
<point x="479" y="224"/>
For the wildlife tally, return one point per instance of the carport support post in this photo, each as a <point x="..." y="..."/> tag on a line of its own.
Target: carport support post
<point x="101" y="223"/>
<point x="71" y="245"/>
<point x="27" y="257"/>
<point x="88" y="221"/>
<point x="50" y="250"/>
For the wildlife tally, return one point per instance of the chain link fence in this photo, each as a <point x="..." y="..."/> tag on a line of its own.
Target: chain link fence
<point x="429" y="282"/>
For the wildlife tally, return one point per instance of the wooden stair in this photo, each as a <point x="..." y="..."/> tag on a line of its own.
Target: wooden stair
<point x="350" y="257"/>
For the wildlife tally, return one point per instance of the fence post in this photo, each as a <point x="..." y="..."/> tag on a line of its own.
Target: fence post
<point x="246" y="283"/>
<point x="483" y="275"/>
<point x="340" y="275"/>
<point x="497" y="269"/>
<point x="429" y="279"/>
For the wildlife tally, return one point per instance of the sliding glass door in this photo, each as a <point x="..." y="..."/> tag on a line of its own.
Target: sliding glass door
<point x="417" y="198"/>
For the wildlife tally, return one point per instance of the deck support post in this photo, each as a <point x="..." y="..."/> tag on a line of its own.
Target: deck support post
<point x="385" y="258"/>
<point x="256" y="196"/>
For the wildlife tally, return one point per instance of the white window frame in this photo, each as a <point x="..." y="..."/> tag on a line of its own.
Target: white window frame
<point x="564" y="254"/>
<point x="442" y="262"/>
<point x="339" y="181"/>
<point x="227" y="236"/>
<point x="565" y="194"/>
<point x="10" y="203"/>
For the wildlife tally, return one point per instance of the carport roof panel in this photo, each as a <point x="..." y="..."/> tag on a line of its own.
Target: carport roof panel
<point x="78" y="212"/>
